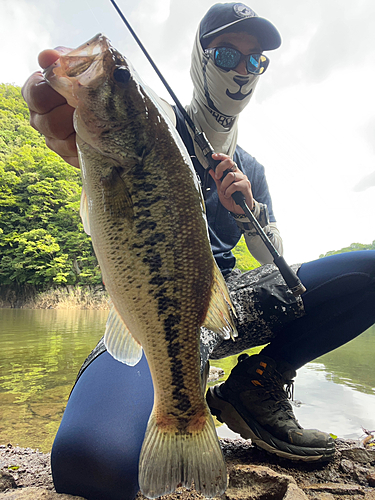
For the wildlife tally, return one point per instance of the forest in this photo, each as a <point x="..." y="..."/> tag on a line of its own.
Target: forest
<point x="42" y="242"/>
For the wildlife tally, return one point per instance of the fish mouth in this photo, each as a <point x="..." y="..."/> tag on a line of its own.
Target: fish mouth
<point x="80" y="66"/>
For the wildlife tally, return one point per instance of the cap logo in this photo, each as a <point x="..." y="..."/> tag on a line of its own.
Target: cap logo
<point x="243" y="11"/>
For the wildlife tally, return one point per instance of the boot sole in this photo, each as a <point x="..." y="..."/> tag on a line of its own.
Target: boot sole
<point x="226" y="413"/>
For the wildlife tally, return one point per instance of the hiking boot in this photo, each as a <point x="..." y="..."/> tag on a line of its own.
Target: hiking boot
<point x="254" y="403"/>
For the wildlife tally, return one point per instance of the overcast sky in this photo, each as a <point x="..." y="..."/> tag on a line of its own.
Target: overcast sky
<point x="311" y="122"/>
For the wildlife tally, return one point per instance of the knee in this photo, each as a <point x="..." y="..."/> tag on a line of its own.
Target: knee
<point x="92" y="467"/>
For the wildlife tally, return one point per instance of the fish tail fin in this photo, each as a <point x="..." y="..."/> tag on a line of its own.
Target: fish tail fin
<point x="170" y="459"/>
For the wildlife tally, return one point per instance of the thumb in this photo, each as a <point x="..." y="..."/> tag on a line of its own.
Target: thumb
<point x="49" y="56"/>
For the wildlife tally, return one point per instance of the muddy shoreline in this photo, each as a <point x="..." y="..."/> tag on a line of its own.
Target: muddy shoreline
<point x="253" y="475"/>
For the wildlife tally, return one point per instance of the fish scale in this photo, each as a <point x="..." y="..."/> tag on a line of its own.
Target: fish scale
<point x="143" y="207"/>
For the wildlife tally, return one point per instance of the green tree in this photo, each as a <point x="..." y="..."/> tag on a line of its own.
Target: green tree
<point x="41" y="235"/>
<point x="351" y="248"/>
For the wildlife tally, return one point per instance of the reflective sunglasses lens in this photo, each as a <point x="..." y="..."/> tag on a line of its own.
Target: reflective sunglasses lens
<point x="227" y="58"/>
<point x="257" y="64"/>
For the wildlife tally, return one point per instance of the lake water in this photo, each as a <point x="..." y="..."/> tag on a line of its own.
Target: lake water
<point x="42" y="351"/>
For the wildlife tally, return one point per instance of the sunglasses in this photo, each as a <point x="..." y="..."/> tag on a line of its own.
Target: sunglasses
<point x="227" y="58"/>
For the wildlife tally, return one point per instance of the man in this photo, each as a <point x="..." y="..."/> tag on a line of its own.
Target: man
<point x="96" y="450"/>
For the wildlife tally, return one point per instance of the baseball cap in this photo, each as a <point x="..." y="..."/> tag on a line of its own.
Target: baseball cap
<point x="235" y="17"/>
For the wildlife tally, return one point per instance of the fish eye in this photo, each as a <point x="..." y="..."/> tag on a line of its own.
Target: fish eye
<point x="121" y="75"/>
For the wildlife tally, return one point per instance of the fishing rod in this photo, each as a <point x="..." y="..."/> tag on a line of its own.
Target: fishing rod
<point x="290" y="277"/>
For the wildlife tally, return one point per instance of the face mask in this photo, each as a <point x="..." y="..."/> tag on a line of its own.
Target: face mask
<point x="226" y="92"/>
<point x="223" y="93"/>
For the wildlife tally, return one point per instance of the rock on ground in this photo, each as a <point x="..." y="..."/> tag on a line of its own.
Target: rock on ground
<point x="253" y="475"/>
<point x="35" y="493"/>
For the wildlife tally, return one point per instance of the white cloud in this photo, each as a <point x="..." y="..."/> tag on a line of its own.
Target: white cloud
<point x="365" y="183"/>
<point x="24" y="32"/>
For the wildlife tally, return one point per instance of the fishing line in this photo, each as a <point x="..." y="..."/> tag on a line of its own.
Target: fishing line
<point x="290" y="277"/>
<point x="93" y="13"/>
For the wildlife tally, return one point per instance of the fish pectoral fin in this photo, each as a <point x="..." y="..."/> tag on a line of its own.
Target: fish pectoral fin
<point x="116" y="197"/>
<point x="119" y="342"/>
<point x="171" y="458"/>
<point x="220" y="314"/>
<point x="84" y="213"/>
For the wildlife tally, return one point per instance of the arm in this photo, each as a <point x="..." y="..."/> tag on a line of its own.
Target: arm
<point x="258" y="249"/>
<point x="254" y="243"/>
<point x="236" y="180"/>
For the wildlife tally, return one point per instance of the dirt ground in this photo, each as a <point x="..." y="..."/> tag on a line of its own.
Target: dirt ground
<point x="253" y="474"/>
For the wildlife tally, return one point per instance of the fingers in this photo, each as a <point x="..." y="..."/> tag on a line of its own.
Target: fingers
<point x="65" y="148"/>
<point x="48" y="57"/>
<point x="226" y="163"/>
<point x="235" y="180"/>
<point x="39" y="96"/>
<point x="56" y="123"/>
<point x="49" y="112"/>
<point x="72" y="160"/>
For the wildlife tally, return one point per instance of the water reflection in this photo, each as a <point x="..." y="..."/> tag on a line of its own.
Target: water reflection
<point x="332" y="403"/>
<point x="352" y="364"/>
<point x="42" y="351"/>
<point x="338" y="389"/>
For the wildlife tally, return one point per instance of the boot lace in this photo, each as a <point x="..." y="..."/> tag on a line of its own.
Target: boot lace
<point x="282" y="395"/>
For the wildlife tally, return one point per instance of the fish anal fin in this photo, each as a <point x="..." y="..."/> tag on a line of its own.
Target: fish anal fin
<point x="220" y="313"/>
<point x="119" y="341"/>
<point x="170" y="459"/>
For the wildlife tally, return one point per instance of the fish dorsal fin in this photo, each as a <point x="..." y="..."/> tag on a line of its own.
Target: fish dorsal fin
<point x="219" y="317"/>
<point x="84" y="213"/>
<point x="119" y="342"/>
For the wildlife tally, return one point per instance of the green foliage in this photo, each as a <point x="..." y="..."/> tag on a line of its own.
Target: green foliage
<point x="351" y="248"/>
<point x="244" y="260"/>
<point x="41" y="236"/>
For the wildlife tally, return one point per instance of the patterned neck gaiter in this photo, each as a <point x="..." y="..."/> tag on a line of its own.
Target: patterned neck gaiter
<point x="218" y="98"/>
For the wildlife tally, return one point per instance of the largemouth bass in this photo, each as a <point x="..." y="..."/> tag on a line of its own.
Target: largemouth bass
<point x="143" y="207"/>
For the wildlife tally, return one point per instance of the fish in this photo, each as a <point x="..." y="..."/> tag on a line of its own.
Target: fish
<point x="143" y="207"/>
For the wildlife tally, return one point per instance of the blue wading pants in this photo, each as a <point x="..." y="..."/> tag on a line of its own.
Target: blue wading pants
<point x="96" y="450"/>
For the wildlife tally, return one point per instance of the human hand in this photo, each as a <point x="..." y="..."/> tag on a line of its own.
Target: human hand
<point x="49" y="112"/>
<point x="235" y="180"/>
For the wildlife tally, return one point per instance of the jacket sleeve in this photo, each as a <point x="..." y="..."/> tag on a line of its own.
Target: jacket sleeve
<point x="258" y="249"/>
<point x="254" y="242"/>
<point x="263" y="212"/>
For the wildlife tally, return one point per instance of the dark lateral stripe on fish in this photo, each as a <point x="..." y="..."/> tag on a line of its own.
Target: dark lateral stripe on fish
<point x="149" y="187"/>
<point x="147" y="202"/>
<point x="140" y="174"/>
<point x="154" y="262"/>
<point x="159" y="280"/>
<point x="145" y="225"/>
<point x="174" y="349"/>
<point x="174" y="346"/>
<point x="153" y="240"/>
<point x="143" y="214"/>
<point x="165" y="302"/>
